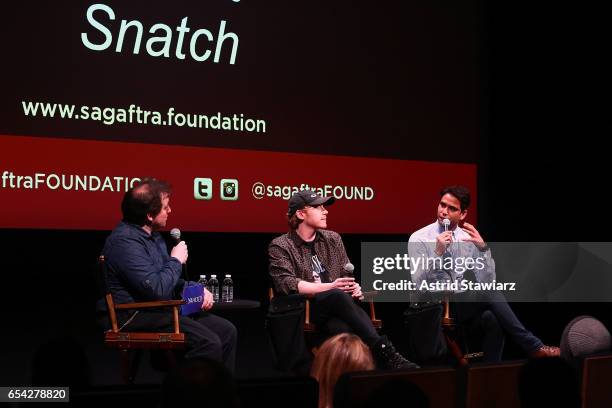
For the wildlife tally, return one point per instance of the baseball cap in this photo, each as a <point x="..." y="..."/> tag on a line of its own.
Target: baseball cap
<point x="305" y="198"/>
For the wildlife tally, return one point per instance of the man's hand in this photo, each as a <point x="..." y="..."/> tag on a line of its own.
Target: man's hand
<point x="180" y="252"/>
<point x="208" y="302"/>
<point x="357" y="294"/>
<point x="345" y="284"/>
<point x="442" y="242"/>
<point x="474" y="236"/>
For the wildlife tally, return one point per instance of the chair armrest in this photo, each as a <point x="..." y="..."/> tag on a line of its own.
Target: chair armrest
<point x="370" y="295"/>
<point x="146" y="305"/>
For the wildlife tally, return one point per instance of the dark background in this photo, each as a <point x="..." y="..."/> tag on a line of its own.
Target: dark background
<point x="542" y="177"/>
<point x="398" y="80"/>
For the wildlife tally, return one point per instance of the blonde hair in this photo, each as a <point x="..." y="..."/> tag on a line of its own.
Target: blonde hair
<point x="338" y="355"/>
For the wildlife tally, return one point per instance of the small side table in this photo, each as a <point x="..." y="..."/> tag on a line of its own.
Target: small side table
<point x="237" y="304"/>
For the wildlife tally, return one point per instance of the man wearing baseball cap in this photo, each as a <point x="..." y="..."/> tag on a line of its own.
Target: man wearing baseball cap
<point x="311" y="260"/>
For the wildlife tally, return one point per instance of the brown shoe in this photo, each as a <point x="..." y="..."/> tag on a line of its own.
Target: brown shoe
<point x="546" y="351"/>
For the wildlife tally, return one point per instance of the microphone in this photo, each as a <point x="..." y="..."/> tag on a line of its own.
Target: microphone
<point x="445" y="222"/>
<point x="175" y="233"/>
<point x="349" y="268"/>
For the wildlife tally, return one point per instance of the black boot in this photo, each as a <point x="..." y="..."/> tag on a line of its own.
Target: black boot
<point x="389" y="357"/>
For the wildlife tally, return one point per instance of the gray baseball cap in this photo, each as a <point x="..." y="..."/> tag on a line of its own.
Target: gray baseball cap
<point x="305" y="198"/>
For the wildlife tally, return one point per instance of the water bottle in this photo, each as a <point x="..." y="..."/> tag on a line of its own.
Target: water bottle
<point x="202" y="281"/>
<point x="213" y="287"/>
<point x="228" y="289"/>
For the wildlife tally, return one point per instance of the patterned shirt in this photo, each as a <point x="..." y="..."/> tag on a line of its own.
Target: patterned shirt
<point x="291" y="259"/>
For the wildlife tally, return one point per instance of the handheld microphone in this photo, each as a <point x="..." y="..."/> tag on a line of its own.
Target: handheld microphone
<point x="445" y="222"/>
<point x="349" y="268"/>
<point x="175" y="233"/>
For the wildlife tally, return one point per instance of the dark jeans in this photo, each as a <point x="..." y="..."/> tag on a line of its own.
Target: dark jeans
<point x="206" y="335"/>
<point x="338" y="313"/>
<point x="495" y="318"/>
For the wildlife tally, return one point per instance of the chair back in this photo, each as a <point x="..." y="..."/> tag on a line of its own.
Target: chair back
<point x="106" y="292"/>
<point x="130" y="340"/>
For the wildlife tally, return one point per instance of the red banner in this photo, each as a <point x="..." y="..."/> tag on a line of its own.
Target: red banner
<point x="76" y="184"/>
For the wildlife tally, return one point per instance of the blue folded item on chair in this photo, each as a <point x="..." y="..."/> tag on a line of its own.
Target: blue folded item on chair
<point x="193" y="295"/>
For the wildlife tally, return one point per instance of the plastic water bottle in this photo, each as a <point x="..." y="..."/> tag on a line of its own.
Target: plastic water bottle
<point x="228" y="289"/>
<point x="213" y="287"/>
<point x="202" y="281"/>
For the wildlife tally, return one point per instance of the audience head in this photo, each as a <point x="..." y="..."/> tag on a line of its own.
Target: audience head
<point x="582" y="336"/>
<point x="199" y="382"/>
<point x="338" y="355"/>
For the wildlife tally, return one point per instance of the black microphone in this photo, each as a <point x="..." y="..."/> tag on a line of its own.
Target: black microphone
<point x="175" y="233"/>
<point x="349" y="268"/>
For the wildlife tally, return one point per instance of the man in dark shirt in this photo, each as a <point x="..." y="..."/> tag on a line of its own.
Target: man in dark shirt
<point x="311" y="260"/>
<point x="140" y="269"/>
